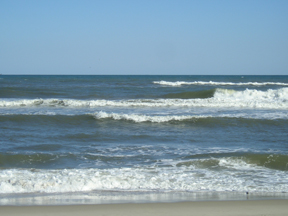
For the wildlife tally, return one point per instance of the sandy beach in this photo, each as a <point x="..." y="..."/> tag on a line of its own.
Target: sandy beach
<point x="215" y="208"/>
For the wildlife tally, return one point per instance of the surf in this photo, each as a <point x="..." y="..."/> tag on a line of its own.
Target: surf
<point x="213" y="83"/>
<point x="250" y="98"/>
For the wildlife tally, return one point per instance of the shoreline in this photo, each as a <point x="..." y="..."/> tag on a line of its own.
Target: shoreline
<point x="215" y="208"/>
<point x="126" y="197"/>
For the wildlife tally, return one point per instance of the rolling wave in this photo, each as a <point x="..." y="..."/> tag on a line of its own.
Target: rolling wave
<point x="213" y="119"/>
<point x="38" y="158"/>
<point x="210" y="160"/>
<point x="190" y="95"/>
<point x="210" y="174"/>
<point x="179" y="83"/>
<point x="144" y="118"/>
<point x="270" y="99"/>
<point x="138" y="118"/>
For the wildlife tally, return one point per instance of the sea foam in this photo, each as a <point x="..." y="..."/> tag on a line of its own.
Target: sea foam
<point x="225" y="175"/>
<point x="213" y="83"/>
<point x="138" y="118"/>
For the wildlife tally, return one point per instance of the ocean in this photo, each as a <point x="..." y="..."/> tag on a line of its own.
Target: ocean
<point x="106" y="139"/>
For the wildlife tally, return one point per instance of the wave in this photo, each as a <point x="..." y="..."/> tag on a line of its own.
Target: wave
<point x="37" y="157"/>
<point x="179" y="83"/>
<point x="211" y="174"/>
<point x="278" y="162"/>
<point x="270" y="99"/>
<point x="144" y="118"/>
<point x="210" y="119"/>
<point x="190" y="95"/>
<point x="271" y="161"/>
<point x="138" y="118"/>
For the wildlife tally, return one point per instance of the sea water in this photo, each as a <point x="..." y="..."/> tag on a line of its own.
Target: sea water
<point x="95" y="139"/>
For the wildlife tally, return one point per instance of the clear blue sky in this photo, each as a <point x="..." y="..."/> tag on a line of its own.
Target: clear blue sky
<point x="144" y="37"/>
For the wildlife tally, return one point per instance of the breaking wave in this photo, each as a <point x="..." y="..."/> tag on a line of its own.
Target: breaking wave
<point x="138" y="118"/>
<point x="179" y="83"/>
<point x="250" y="98"/>
<point x="144" y="118"/>
<point x="210" y="174"/>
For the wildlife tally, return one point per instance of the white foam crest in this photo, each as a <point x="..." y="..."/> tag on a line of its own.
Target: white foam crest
<point x="237" y="163"/>
<point x="144" y="118"/>
<point x="138" y="118"/>
<point x="184" y="178"/>
<point x="46" y="113"/>
<point x="254" y="97"/>
<point x="179" y="83"/>
<point x="83" y="103"/>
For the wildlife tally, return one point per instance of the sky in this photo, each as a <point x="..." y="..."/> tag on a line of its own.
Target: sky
<point x="145" y="37"/>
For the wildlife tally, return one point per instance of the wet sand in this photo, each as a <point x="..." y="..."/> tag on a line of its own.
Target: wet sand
<point x="215" y="208"/>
